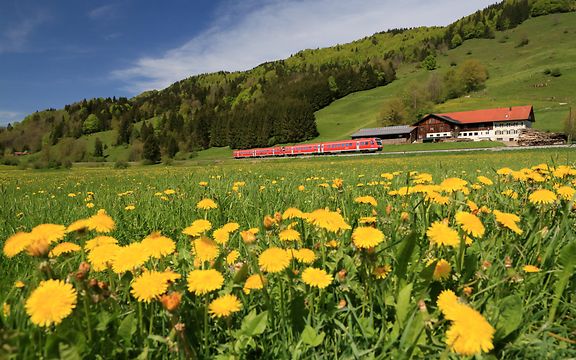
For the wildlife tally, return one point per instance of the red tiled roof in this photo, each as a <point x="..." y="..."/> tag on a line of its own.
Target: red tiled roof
<point x="515" y="113"/>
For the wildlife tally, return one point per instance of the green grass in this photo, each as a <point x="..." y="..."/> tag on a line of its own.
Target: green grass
<point x="442" y="146"/>
<point x="355" y="315"/>
<point x="514" y="75"/>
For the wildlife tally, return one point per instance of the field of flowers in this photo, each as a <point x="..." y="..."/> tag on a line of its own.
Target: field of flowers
<point x="444" y="256"/>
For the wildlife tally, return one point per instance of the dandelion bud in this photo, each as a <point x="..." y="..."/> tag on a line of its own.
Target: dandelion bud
<point x="248" y="237"/>
<point x="404" y="216"/>
<point x="180" y="327"/>
<point x="301" y="188"/>
<point x="342" y="275"/>
<point x="341" y="304"/>
<point x="468" y="290"/>
<point x="374" y="212"/>
<point x="388" y="209"/>
<point x="83" y="270"/>
<point x="103" y="285"/>
<point x="507" y="262"/>
<point x="171" y="301"/>
<point x="277" y="217"/>
<point x="93" y="283"/>
<point x="269" y="222"/>
<point x="422" y="306"/>
<point x="486" y="264"/>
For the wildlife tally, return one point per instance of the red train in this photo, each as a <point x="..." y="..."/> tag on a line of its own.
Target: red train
<point x="332" y="147"/>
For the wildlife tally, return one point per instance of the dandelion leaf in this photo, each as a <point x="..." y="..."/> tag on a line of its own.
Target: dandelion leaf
<point x="127" y="328"/>
<point x="253" y="324"/>
<point x="311" y="337"/>
<point x="510" y="316"/>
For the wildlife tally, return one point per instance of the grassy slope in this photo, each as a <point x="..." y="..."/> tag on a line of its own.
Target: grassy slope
<point x="513" y="74"/>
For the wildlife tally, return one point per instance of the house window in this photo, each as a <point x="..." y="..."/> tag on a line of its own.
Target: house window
<point x="475" y="133"/>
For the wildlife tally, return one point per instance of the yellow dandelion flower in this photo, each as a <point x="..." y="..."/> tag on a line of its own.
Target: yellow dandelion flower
<point x="366" y="200"/>
<point x="78" y="225"/>
<point x="254" y="282"/>
<point x="566" y="192"/>
<point x="197" y="228"/>
<point x="508" y="220"/>
<point x="169" y="191"/>
<point x="504" y="171"/>
<point x="292" y="213"/>
<point x="440" y="233"/>
<point x="446" y="302"/>
<point x="202" y="282"/>
<point x="329" y="220"/>
<point x="442" y="270"/>
<point x="484" y="180"/>
<point x="316" y="277"/>
<point x="19" y="284"/>
<point x="64" y="248"/>
<point x="101" y="222"/>
<point x="224" y="306"/>
<point x="367" y="220"/>
<point x="99" y="241"/>
<point x="152" y="284"/>
<point x="205" y="249"/>
<point x="231" y="227"/>
<point x="221" y="236"/>
<point x="130" y="207"/>
<point x="380" y="272"/>
<point x="101" y="257"/>
<point x="530" y="269"/>
<point x="289" y="235"/>
<point x="366" y="237"/>
<point x="470" y="223"/>
<point x="129" y="257"/>
<point x="274" y="260"/>
<point x="453" y="184"/>
<point x="90" y="205"/>
<point x="305" y="256"/>
<point x="17" y="243"/>
<point x="157" y="245"/>
<point x="203" y="183"/>
<point x="472" y="205"/>
<point x="51" y="302"/>
<point x="470" y="333"/>
<point x="542" y="196"/>
<point x="206" y="204"/>
<point x="232" y="257"/>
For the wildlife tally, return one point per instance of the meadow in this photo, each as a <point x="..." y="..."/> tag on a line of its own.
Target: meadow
<point x="435" y="256"/>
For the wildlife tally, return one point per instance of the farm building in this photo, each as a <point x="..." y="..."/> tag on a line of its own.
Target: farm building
<point x="501" y="124"/>
<point x="390" y="134"/>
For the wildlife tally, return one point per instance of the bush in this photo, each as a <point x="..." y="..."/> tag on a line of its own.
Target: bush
<point x="11" y="161"/>
<point x="547" y="72"/>
<point x="121" y="164"/>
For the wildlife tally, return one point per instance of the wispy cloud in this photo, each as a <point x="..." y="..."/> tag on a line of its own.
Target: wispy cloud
<point x="16" y="35"/>
<point x="9" y="117"/>
<point x="254" y="31"/>
<point x="103" y="11"/>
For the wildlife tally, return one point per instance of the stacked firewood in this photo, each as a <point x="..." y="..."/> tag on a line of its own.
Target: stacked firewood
<point x="532" y="137"/>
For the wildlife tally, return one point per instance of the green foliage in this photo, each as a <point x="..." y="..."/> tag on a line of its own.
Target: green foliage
<point x="152" y="149"/>
<point x="472" y="74"/>
<point x="91" y="124"/>
<point x="456" y="41"/>
<point x="429" y="63"/>
<point x="545" y="7"/>
<point x="98" y="148"/>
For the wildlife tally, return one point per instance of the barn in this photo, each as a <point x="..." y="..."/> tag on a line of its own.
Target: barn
<point x="500" y="124"/>
<point x="389" y="134"/>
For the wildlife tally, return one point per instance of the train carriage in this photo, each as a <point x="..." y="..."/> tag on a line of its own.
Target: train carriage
<point x="332" y="147"/>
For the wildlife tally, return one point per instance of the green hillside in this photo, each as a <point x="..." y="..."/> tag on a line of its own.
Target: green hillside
<point x="325" y="94"/>
<point x="516" y="78"/>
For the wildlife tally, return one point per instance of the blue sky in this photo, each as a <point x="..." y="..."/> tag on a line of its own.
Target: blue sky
<point x="57" y="52"/>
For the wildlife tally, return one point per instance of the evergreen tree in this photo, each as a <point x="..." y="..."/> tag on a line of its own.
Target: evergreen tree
<point x="98" y="148"/>
<point x="171" y="147"/>
<point x="151" y="150"/>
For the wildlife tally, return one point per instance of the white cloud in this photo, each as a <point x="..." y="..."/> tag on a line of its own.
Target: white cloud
<point x="256" y="31"/>
<point x="103" y="11"/>
<point x="15" y="37"/>
<point x="9" y="117"/>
